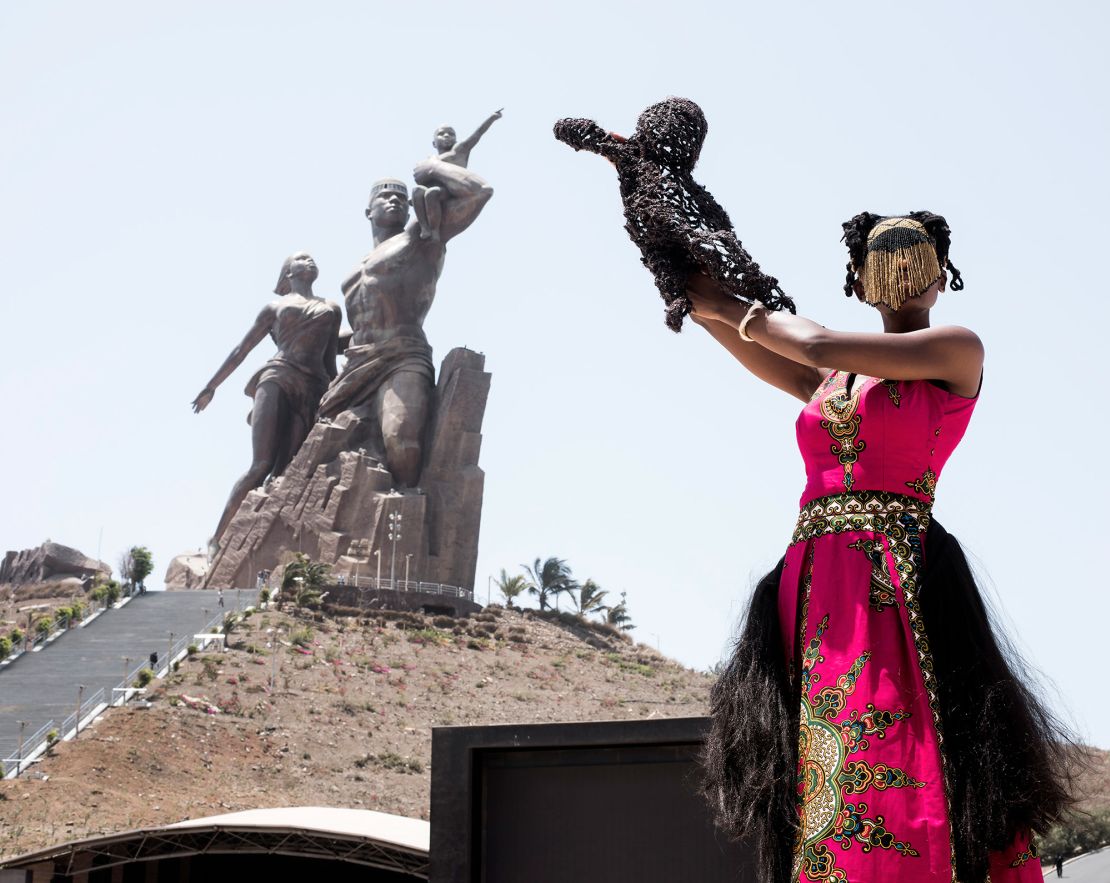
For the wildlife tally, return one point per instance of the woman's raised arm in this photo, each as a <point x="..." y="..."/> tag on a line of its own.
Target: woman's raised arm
<point x="950" y="354"/>
<point x="790" y="375"/>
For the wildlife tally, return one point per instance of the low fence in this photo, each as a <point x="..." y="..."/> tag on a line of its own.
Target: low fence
<point x="70" y="728"/>
<point x="404" y="585"/>
<point x="11" y="767"/>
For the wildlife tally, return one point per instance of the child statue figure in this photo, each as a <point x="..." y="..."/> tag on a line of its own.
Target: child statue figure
<point x="427" y="201"/>
<point x="680" y="228"/>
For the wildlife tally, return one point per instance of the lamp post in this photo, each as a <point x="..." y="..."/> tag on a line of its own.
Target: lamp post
<point x="358" y="550"/>
<point x="126" y="672"/>
<point x="77" y="719"/>
<point x="378" y="581"/>
<point x="273" y="659"/>
<point x="169" y="654"/>
<point x="394" y="535"/>
<point x="408" y="558"/>
<point x="19" y="755"/>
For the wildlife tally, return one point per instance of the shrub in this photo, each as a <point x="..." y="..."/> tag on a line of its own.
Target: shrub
<point x="5" y="647"/>
<point x="44" y="624"/>
<point x="263" y="596"/>
<point x="390" y="760"/>
<point x="192" y="650"/>
<point x="301" y="637"/>
<point x="144" y="677"/>
<point x="51" y="737"/>
<point x="16" y="636"/>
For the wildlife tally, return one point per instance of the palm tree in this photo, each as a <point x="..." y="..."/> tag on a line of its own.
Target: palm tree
<point x="549" y="578"/>
<point x="303" y="579"/>
<point x="619" y="617"/>
<point x="510" y="586"/>
<point x="590" y="598"/>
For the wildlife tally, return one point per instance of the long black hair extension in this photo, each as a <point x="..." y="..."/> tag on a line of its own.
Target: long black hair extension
<point x="1010" y="761"/>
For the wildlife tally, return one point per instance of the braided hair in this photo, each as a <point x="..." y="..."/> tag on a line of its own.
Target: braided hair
<point x="858" y="228"/>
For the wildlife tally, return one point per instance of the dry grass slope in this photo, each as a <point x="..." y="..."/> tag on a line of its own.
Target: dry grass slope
<point x="348" y="723"/>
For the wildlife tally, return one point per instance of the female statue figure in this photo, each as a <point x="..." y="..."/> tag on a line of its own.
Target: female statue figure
<point x="287" y="389"/>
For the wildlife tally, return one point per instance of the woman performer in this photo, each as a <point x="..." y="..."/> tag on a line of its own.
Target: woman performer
<point x="869" y="726"/>
<point x="287" y="389"/>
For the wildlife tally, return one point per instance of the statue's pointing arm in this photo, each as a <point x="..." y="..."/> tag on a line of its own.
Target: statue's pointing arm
<point x="588" y="135"/>
<point x="259" y="330"/>
<point x="467" y="144"/>
<point x="467" y="193"/>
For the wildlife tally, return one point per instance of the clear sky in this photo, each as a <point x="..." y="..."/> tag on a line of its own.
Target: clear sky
<point x="158" y="162"/>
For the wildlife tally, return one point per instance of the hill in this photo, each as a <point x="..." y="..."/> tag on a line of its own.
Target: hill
<point x="347" y="724"/>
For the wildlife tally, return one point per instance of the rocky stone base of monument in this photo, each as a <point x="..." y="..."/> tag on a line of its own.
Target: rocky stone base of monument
<point x="50" y="570"/>
<point x="334" y="501"/>
<point x="187" y="571"/>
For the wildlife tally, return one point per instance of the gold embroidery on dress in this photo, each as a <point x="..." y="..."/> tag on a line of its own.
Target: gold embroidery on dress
<point x="842" y="424"/>
<point x="926" y="485"/>
<point x="881" y="593"/>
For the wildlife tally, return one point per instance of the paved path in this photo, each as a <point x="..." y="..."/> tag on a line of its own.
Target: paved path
<point x="40" y="686"/>
<point x="1091" y="868"/>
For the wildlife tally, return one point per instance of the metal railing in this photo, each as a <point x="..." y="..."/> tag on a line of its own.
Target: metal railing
<point x="12" y="766"/>
<point x="74" y="720"/>
<point x="181" y="647"/>
<point x="119" y="695"/>
<point x="404" y="585"/>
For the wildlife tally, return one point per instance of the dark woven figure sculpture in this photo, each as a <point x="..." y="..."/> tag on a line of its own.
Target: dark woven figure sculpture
<point x="677" y="224"/>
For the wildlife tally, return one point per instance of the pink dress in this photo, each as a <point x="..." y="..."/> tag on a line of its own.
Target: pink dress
<point x="871" y="772"/>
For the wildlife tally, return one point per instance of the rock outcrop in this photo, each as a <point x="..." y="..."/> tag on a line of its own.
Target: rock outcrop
<point x="49" y="562"/>
<point x="187" y="571"/>
<point x="334" y="501"/>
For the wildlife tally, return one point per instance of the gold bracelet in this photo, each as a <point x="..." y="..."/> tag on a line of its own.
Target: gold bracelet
<point x="754" y="310"/>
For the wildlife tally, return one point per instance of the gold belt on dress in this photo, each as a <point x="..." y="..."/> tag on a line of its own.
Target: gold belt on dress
<point x="880" y="511"/>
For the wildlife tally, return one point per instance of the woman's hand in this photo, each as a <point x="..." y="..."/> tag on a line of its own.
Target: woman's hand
<point x="201" y="401"/>
<point x="710" y="302"/>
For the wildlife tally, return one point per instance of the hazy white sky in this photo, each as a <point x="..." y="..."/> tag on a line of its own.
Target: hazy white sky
<point x="159" y="163"/>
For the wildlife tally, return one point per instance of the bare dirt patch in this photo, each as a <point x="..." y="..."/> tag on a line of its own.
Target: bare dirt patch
<point x="347" y="724"/>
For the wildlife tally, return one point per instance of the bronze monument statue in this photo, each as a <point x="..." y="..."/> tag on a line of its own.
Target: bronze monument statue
<point x="392" y="440"/>
<point x="389" y="376"/>
<point x="287" y="389"/>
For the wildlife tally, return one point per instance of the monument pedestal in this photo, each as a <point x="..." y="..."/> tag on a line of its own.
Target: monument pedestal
<point x="334" y="500"/>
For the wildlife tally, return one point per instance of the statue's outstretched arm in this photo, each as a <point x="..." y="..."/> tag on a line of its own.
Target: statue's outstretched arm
<point x="259" y="330"/>
<point x="467" y="144"/>
<point x="588" y="135"/>
<point x="467" y="193"/>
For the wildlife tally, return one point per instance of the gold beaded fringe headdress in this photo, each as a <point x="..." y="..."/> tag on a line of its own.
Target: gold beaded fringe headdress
<point x="901" y="262"/>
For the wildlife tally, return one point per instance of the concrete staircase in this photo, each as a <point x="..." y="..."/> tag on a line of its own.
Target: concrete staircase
<point x="42" y="686"/>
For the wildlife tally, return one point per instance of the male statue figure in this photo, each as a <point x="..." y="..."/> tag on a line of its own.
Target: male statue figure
<point x="389" y="377"/>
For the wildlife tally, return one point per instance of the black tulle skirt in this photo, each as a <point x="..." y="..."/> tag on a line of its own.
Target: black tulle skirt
<point x="1008" y="758"/>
